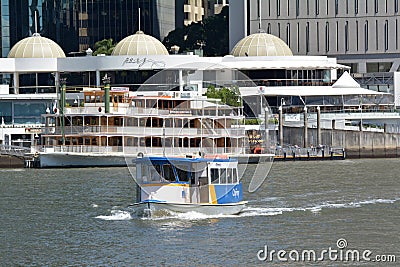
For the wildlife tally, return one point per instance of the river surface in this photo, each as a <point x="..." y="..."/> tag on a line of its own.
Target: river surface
<point x="81" y="217"/>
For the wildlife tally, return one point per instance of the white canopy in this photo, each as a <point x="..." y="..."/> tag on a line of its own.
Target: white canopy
<point x="283" y="64"/>
<point x="305" y="91"/>
<point x="346" y="81"/>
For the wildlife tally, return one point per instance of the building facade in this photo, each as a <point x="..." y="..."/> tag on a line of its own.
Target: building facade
<point x="363" y="34"/>
<point x="213" y="7"/>
<point x="114" y="19"/>
<point x="193" y="11"/>
<point x="78" y="25"/>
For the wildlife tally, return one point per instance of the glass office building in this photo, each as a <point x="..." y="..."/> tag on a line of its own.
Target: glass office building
<point x="78" y="24"/>
<point x="117" y="19"/>
<point x="56" y="20"/>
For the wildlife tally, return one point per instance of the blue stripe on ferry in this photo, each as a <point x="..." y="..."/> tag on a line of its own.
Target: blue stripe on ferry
<point x="228" y="193"/>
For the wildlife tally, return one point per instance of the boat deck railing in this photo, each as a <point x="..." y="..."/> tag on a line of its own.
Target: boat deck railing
<point x="294" y="152"/>
<point x="134" y="131"/>
<point x="134" y="150"/>
<point x="136" y="111"/>
<point x="17" y="151"/>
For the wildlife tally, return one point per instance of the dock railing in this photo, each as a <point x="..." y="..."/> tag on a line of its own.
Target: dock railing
<point x="319" y="152"/>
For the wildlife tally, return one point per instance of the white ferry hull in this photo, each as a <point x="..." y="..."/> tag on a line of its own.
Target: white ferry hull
<point x="154" y="208"/>
<point x="78" y="160"/>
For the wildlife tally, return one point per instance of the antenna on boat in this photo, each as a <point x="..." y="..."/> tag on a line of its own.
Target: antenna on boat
<point x="139" y="17"/>
<point x="36" y="21"/>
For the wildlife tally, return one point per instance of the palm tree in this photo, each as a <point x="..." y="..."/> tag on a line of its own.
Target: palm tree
<point x="105" y="46"/>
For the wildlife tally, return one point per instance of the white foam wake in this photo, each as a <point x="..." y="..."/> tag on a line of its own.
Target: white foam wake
<point x="116" y="215"/>
<point x="249" y="211"/>
<point x="353" y="204"/>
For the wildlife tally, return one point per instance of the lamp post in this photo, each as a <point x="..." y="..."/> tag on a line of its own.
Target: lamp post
<point x="62" y="108"/>
<point x="2" y="130"/>
<point x="305" y="127"/>
<point x="266" y="130"/>
<point x="106" y="82"/>
<point x="318" y="125"/>
<point x="281" y="122"/>
<point x="361" y="117"/>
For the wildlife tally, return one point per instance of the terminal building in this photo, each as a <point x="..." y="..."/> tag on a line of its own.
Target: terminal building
<point x="362" y="34"/>
<point x="261" y="66"/>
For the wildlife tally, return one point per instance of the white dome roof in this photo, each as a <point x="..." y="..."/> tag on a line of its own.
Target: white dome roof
<point x="261" y="44"/>
<point x="139" y="44"/>
<point x="36" y="46"/>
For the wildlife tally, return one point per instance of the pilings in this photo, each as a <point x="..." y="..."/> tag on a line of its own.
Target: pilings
<point x="305" y="127"/>
<point x="357" y="144"/>
<point x="280" y="126"/>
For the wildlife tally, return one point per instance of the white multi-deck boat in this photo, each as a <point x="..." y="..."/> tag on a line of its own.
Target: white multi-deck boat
<point x="169" y="123"/>
<point x="208" y="185"/>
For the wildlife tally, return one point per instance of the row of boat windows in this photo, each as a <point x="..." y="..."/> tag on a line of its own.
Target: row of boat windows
<point x="165" y="173"/>
<point x="149" y="142"/>
<point x="141" y="103"/>
<point x="147" y="122"/>
<point x="181" y="142"/>
<point x="223" y="176"/>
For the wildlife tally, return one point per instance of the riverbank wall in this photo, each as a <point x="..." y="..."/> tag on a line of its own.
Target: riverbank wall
<point x="11" y="162"/>
<point x="357" y="144"/>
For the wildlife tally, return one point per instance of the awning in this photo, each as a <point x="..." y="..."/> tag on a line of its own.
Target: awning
<point x="287" y="65"/>
<point x="305" y="91"/>
<point x="244" y="64"/>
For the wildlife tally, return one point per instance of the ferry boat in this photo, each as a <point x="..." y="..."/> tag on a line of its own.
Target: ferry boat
<point x="207" y="185"/>
<point x="172" y="123"/>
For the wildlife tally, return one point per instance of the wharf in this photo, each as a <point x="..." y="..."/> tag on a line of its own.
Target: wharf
<point x="322" y="153"/>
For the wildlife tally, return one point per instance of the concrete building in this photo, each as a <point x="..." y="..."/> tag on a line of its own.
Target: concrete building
<point x="194" y="11"/>
<point x="363" y="34"/>
<point x="213" y="7"/>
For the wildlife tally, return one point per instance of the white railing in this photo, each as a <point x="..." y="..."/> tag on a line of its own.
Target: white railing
<point x="134" y="150"/>
<point x="145" y="131"/>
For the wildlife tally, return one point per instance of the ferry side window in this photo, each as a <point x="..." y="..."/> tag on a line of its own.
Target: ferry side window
<point x="155" y="173"/>
<point x="168" y="173"/>
<point x="145" y="173"/>
<point x="223" y="176"/>
<point x="182" y="173"/>
<point x="229" y="176"/>
<point x="214" y="176"/>
<point x="235" y="178"/>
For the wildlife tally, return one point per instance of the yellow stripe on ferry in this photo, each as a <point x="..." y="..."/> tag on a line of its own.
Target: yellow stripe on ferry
<point x="213" y="194"/>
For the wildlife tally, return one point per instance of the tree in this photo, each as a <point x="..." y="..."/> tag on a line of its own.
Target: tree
<point x="105" y="46"/>
<point x="229" y="96"/>
<point x="213" y="32"/>
<point x="216" y="29"/>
